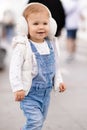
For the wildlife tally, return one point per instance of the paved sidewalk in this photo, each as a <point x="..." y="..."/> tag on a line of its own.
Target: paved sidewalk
<point x="68" y="110"/>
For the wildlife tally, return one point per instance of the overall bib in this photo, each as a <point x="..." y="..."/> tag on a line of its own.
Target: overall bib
<point x="35" y="104"/>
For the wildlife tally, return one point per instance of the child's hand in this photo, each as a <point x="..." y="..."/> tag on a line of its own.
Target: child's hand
<point x="62" y="87"/>
<point x="19" y="95"/>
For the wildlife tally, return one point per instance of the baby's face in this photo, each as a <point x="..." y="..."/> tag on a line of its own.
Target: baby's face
<point x="38" y="26"/>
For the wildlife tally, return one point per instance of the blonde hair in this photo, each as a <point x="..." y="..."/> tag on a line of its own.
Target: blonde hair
<point x="35" y="8"/>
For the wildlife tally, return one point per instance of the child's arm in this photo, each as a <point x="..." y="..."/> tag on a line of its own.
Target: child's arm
<point x="20" y="66"/>
<point x="58" y="81"/>
<point x="15" y="69"/>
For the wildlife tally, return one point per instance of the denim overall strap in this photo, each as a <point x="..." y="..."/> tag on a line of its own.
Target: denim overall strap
<point x="34" y="48"/>
<point x="46" y="67"/>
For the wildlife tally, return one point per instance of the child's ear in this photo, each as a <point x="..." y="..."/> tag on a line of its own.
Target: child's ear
<point x="21" y="26"/>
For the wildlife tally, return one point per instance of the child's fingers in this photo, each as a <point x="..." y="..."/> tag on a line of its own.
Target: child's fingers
<point x="19" y="95"/>
<point x="19" y="98"/>
<point x="62" y="88"/>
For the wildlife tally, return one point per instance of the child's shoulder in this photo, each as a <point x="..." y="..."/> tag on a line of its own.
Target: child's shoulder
<point x="19" y="41"/>
<point x="55" y="44"/>
<point x="54" y="41"/>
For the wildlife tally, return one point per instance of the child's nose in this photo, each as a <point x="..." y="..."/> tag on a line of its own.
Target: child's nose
<point x="41" y="26"/>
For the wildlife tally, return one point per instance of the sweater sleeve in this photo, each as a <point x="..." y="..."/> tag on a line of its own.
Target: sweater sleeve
<point x="58" y="77"/>
<point x="15" y="74"/>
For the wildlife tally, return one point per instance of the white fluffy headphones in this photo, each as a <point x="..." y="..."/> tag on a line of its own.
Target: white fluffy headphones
<point x="22" y="27"/>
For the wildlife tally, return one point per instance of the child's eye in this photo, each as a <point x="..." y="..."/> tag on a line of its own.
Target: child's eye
<point x="35" y="23"/>
<point x="45" y="23"/>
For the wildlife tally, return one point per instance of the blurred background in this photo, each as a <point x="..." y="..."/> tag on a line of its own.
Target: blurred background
<point x="70" y="113"/>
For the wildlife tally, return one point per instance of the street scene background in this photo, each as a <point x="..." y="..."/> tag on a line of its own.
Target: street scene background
<point x="68" y="110"/>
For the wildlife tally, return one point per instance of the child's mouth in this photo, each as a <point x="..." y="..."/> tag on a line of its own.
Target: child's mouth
<point x="40" y="32"/>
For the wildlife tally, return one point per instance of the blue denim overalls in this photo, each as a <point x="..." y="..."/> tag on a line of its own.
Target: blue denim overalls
<point x="35" y="104"/>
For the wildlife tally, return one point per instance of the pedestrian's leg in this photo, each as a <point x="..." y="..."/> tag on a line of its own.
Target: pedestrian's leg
<point x="71" y="46"/>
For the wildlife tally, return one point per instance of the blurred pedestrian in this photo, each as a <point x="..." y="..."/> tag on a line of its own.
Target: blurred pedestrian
<point x="2" y="48"/>
<point x="34" y="66"/>
<point x="9" y="24"/>
<point x="57" y="11"/>
<point x="73" y="10"/>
